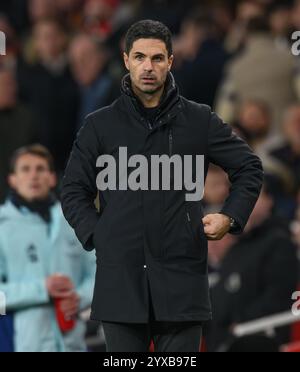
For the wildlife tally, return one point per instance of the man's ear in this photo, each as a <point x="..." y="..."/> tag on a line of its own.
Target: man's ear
<point x="11" y="179"/>
<point x="126" y="60"/>
<point x="53" y="180"/>
<point x="171" y="60"/>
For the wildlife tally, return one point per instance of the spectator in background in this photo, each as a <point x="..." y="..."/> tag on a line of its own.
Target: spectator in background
<point x="41" y="9"/>
<point x="99" y="16"/>
<point x="170" y="12"/>
<point x="71" y="12"/>
<point x="200" y="59"/>
<point x="216" y="189"/>
<point x="254" y="125"/>
<point x="41" y="260"/>
<point x="37" y="10"/>
<point x="280" y="15"/>
<point x="50" y="89"/>
<point x="245" y="11"/>
<point x="288" y="154"/>
<point x="254" y="122"/>
<point x="17" y="123"/>
<point x="252" y="277"/>
<point x="89" y="61"/>
<point x="261" y="72"/>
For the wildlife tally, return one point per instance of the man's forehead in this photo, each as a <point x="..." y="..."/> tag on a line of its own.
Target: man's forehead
<point x="30" y="160"/>
<point x="149" y="47"/>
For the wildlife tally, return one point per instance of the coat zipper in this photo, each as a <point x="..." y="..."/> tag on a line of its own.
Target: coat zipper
<point x="190" y="226"/>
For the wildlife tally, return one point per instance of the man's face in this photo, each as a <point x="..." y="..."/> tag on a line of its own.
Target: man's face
<point x="254" y="119"/>
<point x="32" y="178"/>
<point x="87" y="62"/>
<point x="148" y="63"/>
<point x="49" y="40"/>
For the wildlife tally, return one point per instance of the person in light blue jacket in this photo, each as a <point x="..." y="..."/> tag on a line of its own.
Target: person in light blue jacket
<point x="41" y="260"/>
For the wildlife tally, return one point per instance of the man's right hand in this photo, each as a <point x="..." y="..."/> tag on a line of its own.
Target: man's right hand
<point x="59" y="286"/>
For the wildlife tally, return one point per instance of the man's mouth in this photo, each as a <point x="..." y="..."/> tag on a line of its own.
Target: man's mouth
<point x="148" y="79"/>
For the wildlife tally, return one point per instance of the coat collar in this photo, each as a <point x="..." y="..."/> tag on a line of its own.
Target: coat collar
<point x="169" y="106"/>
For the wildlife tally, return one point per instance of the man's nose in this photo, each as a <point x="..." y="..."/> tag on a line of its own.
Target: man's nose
<point x="148" y="65"/>
<point x="34" y="173"/>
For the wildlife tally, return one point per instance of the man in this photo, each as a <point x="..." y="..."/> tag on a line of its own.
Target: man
<point x="41" y="263"/>
<point x="151" y="245"/>
<point x="261" y="72"/>
<point x="254" y="276"/>
<point x="47" y="85"/>
<point x="288" y="153"/>
<point x="88" y="62"/>
<point x="17" y="124"/>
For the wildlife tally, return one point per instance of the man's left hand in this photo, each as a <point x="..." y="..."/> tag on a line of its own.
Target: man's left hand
<point x="216" y="226"/>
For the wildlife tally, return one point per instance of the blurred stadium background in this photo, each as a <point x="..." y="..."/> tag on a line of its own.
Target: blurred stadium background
<point x="64" y="60"/>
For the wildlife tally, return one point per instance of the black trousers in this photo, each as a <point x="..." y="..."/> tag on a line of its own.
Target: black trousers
<point x="166" y="336"/>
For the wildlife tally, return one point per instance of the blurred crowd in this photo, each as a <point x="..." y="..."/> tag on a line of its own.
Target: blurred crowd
<point x="64" y="60"/>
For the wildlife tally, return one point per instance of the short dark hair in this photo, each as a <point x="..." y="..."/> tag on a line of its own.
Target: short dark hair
<point x="35" y="149"/>
<point x="148" y="29"/>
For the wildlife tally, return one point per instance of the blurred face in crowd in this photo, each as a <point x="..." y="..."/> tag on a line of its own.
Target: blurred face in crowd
<point x="280" y="21"/>
<point x="49" y="40"/>
<point x="32" y="178"/>
<point x="189" y="42"/>
<point x="67" y="5"/>
<point x="98" y="10"/>
<point x="8" y="90"/>
<point x="216" y="187"/>
<point x="249" y="9"/>
<point x="87" y="60"/>
<point x="292" y="127"/>
<point x="148" y="63"/>
<point x="262" y="211"/>
<point x="255" y="119"/>
<point x="41" y="9"/>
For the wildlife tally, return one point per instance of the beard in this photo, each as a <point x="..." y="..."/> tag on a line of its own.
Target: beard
<point x="151" y="90"/>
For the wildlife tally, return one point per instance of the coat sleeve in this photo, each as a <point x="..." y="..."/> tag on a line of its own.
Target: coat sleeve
<point x="243" y="167"/>
<point x="20" y="294"/>
<point x="79" y="189"/>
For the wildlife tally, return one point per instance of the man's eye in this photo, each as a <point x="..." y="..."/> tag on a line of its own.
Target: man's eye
<point x="139" y="58"/>
<point x="158" y="59"/>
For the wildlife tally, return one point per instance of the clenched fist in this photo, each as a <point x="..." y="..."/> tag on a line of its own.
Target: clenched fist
<point x="216" y="226"/>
